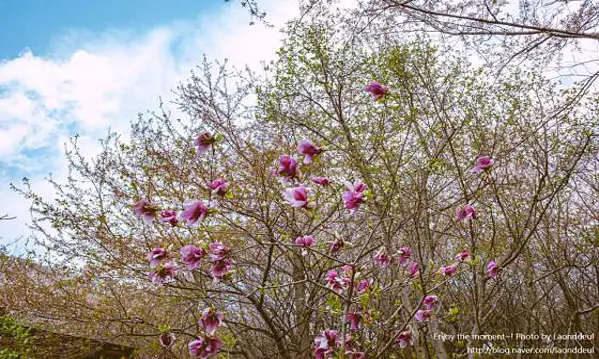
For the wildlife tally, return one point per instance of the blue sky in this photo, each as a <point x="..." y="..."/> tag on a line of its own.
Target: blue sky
<point x="83" y="66"/>
<point x="36" y="24"/>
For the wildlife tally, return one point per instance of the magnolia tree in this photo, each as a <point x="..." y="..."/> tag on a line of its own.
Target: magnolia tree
<point x="358" y="200"/>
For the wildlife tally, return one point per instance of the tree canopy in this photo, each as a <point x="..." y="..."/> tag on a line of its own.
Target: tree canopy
<point x="356" y="199"/>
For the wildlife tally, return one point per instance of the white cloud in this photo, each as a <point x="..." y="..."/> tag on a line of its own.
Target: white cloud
<point x="102" y="82"/>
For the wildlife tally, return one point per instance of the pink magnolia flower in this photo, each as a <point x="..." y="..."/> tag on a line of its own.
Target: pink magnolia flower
<point x="423" y="314"/>
<point x="210" y="320"/>
<point x="462" y="255"/>
<point x="336" y="245"/>
<point x="164" y="273"/>
<point x="354" y="196"/>
<point x="305" y="242"/>
<point x="353" y="319"/>
<point x="219" y="187"/>
<point x="203" y="142"/>
<point x="169" y="216"/>
<point x="220" y="269"/>
<point x="467" y="213"/>
<point x="414" y="269"/>
<point x="218" y="251"/>
<point x="364" y="285"/>
<point x="430" y="301"/>
<point x="297" y="197"/>
<point x="326" y="343"/>
<point x="492" y="269"/>
<point x="145" y="210"/>
<point x="404" y="254"/>
<point x="192" y="256"/>
<point x="166" y="339"/>
<point x="382" y="258"/>
<point x="335" y="283"/>
<point x="376" y="90"/>
<point x="156" y="255"/>
<point x="449" y="270"/>
<point x="307" y="148"/>
<point x="287" y="167"/>
<point x="482" y="163"/>
<point x="404" y="339"/>
<point x="323" y="181"/>
<point x="194" y="212"/>
<point x="204" y="348"/>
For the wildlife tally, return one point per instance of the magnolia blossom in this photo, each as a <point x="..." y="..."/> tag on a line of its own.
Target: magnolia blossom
<point x="308" y="149"/>
<point x="492" y="269"/>
<point x="323" y="181"/>
<point x="287" y="167"/>
<point x="449" y="270"/>
<point x="336" y="245"/>
<point x="462" y="255"/>
<point x="194" y="212"/>
<point x="404" y="254"/>
<point x="203" y="142"/>
<point x="335" y="283"/>
<point x="192" y="256"/>
<point x="220" y="269"/>
<point x="382" y="258"/>
<point x="169" y="216"/>
<point x="467" y="213"/>
<point x="218" y="251"/>
<point x="210" y="320"/>
<point x="354" y="320"/>
<point x="423" y="314"/>
<point x="364" y="285"/>
<point x="414" y="269"/>
<point x="430" y="301"/>
<point x="404" y="339"/>
<point x="204" y="348"/>
<point x="166" y="340"/>
<point x="164" y="273"/>
<point x="376" y="90"/>
<point x="354" y="196"/>
<point x="325" y="343"/>
<point x="219" y="187"/>
<point x="482" y="163"/>
<point x="297" y="197"/>
<point x="145" y="210"/>
<point x="156" y="255"/>
<point x="305" y="242"/>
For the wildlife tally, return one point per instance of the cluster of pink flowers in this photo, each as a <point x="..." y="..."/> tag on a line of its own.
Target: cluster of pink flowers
<point x="430" y="302"/>
<point x="403" y="258"/>
<point x="192" y="256"/>
<point x="209" y="345"/>
<point x="304" y="242"/>
<point x="329" y="340"/>
<point x="354" y="196"/>
<point x="466" y="213"/>
<point x="194" y="212"/>
<point x="339" y="282"/>
<point x="450" y="270"/>
<point x="298" y="196"/>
